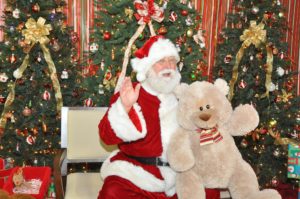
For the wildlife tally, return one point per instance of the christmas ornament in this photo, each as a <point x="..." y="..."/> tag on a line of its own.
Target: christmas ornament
<point x="259" y="55"/>
<point x="275" y="181"/>
<point x="46" y="95"/>
<point x="189" y="32"/>
<point x="268" y="15"/>
<point x="251" y="57"/>
<point x="59" y="9"/>
<point x="74" y="37"/>
<point x="227" y="59"/>
<point x="244" y="68"/>
<point x="190" y="6"/>
<point x="44" y="127"/>
<point x="54" y="45"/>
<point x="173" y="16"/>
<point x="257" y="78"/>
<point x="244" y="143"/>
<point x="242" y="84"/>
<point x="141" y="36"/>
<point x="106" y="36"/>
<point x="27" y="111"/>
<point x="64" y="74"/>
<point x="18" y="147"/>
<point x="94" y="47"/>
<point x="184" y="13"/>
<point x="272" y="87"/>
<point x="113" y="54"/>
<point x="276" y="152"/>
<point x="281" y="55"/>
<point x="272" y="123"/>
<point x="280" y="71"/>
<point x="280" y="14"/>
<point x="189" y="21"/>
<point x="221" y="73"/>
<point x="101" y="89"/>
<point x="30" y="140"/>
<point x="16" y="13"/>
<point x="39" y="58"/>
<point x="2" y="99"/>
<point x="88" y="102"/>
<point x="275" y="51"/>
<point x="162" y="30"/>
<point x="199" y="38"/>
<point x="35" y="7"/>
<point x="12" y="58"/>
<point x="3" y="77"/>
<point x="254" y="10"/>
<point x="102" y="64"/>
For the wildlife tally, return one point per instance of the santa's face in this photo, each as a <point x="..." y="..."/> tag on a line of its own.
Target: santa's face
<point x="165" y="63"/>
<point x="163" y="77"/>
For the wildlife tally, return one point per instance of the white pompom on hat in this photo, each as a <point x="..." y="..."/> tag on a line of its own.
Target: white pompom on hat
<point x="154" y="49"/>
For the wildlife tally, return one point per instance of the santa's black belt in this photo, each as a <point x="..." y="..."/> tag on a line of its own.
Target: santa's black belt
<point x="149" y="160"/>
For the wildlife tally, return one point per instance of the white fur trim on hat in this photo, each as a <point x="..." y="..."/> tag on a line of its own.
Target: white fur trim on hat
<point x="160" y="49"/>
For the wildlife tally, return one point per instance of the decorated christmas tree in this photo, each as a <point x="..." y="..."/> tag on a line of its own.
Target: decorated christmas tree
<point x="122" y="26"/>
<point x="38" y="74"/>
<point x="252" y="56"/>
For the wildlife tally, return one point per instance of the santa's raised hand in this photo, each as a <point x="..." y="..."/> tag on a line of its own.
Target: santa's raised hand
<point x="128" y="94"/>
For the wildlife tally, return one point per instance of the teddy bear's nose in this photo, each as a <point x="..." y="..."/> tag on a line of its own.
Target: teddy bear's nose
<point x="205" y="117"/>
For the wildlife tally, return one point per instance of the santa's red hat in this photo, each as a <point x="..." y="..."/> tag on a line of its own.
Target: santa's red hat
<point x="154" y="49"/>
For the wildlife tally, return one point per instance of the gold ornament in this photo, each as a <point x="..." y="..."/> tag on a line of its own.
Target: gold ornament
<point x="272" y="123"/>
<point x="189" y="33"/>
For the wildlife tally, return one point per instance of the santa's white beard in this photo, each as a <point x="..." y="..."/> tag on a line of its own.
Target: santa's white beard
<point x="162" y="83"/>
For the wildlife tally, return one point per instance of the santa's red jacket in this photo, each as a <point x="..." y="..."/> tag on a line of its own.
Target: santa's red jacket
<point x="144" y="132"/>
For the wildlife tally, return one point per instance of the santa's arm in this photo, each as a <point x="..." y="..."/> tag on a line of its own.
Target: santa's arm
<point x="118" y="126"/>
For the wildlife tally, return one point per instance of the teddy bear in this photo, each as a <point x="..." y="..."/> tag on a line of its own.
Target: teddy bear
<point x="203" y="151"/>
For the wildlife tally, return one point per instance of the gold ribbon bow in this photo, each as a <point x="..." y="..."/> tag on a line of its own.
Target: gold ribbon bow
<point x="35" y="32"/>
<point x="255" y="35"/>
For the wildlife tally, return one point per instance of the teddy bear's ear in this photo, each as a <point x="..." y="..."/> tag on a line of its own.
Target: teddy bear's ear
<point x="222" y="85"/>
<point x="179" y="90"/>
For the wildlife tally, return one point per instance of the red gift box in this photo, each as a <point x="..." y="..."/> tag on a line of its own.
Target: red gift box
<point x="29" y="173"/>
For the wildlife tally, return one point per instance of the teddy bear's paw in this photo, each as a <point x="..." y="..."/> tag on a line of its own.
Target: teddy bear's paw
<point x="247" y="113"/>
<point x="183" y="164"/>
<point x="266" y="194"/>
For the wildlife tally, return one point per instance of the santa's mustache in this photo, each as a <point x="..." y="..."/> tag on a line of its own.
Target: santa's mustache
<point x="167" y="73"/>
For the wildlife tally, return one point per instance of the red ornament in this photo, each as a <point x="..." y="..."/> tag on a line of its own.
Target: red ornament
<point x="173" y="16"/>
<point x="242" y="84"/>
<point x="162" y="30"/>
<point x="106" y="36"/>
<point x="268" y="15"/>
<point x="46" y="96"/>
<point x="184" y="13"/>
<point x="2" y="99"/>
<point x="30" y="140"/>
<point x="108" y="75"/>
<point x="88" y="102"/>
<point x="281" y="55"/>
<point x="35" y="7"/>
<point x="221" y="73"/>
<point x="74" y="37"/>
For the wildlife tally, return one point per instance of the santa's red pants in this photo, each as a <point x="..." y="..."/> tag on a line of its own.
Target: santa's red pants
<point x="116" y="187"/>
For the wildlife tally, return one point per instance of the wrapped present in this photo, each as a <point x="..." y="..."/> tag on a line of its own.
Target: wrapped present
<point x="294" y="163"/>
<point x="33" y="181"/>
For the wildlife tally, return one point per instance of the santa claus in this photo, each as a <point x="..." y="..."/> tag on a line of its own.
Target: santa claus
<point x="141" y="119"/>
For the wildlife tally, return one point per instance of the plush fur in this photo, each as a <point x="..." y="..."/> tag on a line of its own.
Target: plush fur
<point x="218" y="164"/>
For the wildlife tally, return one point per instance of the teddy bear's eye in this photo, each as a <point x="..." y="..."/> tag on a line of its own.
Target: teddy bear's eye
<point x="201" y="108"/>
<point x="207" y="106"/>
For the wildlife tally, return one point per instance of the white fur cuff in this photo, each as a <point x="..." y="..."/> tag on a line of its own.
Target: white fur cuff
<point x="122" y="124"/>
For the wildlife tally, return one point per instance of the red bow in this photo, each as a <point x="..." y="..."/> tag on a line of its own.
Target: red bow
<point x="147" y="10"/>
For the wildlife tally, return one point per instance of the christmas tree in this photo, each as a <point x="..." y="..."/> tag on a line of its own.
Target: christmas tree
<point x="39" y="74"/>
<point x="252" y="57"/>
<point x="120" y="23"/>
